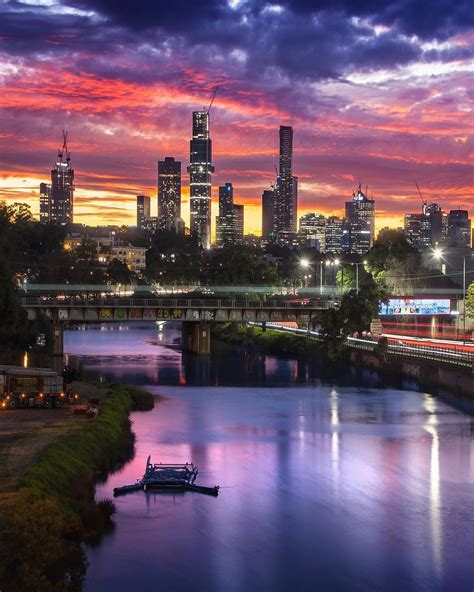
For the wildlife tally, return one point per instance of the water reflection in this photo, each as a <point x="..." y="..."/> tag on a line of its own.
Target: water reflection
<point x="324" y="488"/>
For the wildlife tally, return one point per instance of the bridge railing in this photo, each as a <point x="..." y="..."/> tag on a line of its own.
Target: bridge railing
<point x="455" y="356"/>
<point x="206" y="303"/>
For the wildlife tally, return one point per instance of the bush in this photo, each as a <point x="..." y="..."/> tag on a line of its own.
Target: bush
<point x="55" y="509"/>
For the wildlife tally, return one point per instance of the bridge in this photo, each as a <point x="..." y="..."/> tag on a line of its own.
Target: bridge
<point x="194" y="313"/>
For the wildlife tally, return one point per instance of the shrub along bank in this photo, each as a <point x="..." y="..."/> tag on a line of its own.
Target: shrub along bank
<point x="271" y="341"/>
<point x="54" y="511"/>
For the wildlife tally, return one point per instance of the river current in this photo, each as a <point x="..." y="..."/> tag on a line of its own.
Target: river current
<point x="326" y="484"/>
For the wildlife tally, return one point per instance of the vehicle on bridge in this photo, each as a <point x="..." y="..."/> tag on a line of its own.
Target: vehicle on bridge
<point x="30" y="387"/>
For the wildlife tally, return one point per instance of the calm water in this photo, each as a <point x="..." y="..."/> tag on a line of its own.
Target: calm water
<point x="323" y="487"/>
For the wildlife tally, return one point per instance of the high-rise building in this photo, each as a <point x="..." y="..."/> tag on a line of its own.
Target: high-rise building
<point x="56" y="200"/>
<point x="200" y="170"/>
<point x="143" y="211"/>
<point x="428" y="228"/>
<point x="230" y="221"/>
<point x="238" y="223"/>
<point x="285" y="203"/>
<point x="360" y="214"/>
<point x="334" y="227"/>
<point x="169" y="192"/>
<point x="45" y="203"/>
<point x="313" y="230"/>
<point x="267" y="213"/>
<point x="459" y="228"/>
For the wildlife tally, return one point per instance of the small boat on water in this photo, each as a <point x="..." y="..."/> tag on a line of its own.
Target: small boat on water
<point x="168" y="477"/>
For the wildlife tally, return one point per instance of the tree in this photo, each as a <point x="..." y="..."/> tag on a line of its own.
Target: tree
<point x="394" y="263"/>
<point x="15" y="335"/>
<point x="119" y="273"/>
<point x="470" y="301"/>
<point x="354" y="315"/>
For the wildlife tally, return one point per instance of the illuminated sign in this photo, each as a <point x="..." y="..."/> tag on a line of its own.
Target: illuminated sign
<point x="415" y="306"/>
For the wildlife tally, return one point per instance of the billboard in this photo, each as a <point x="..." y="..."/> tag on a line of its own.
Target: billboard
<point x="416" y="306"/>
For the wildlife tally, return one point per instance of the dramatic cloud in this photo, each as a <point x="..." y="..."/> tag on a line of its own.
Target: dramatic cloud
<point x="377" y="91"/>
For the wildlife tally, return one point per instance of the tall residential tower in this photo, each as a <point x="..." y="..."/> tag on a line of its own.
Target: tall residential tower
<point x="285" y="203"/>
<point x="200" y="170"/>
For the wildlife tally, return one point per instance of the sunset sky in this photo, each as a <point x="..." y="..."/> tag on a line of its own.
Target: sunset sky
<point x="384" y="95"/>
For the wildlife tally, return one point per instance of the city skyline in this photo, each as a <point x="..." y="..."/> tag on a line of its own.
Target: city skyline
<point x="396" y="111"/>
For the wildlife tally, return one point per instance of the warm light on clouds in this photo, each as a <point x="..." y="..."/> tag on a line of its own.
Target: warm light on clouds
<point x="381" y="97"/>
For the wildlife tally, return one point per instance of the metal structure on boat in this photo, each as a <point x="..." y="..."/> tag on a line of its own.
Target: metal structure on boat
<point x="168" y="477"/>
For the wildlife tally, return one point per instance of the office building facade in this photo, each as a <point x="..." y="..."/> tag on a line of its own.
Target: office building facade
<point x="313" y="231"/>
<point x="267" y="213"/>
<point x="459" y="228"/>
<point x="169" y="193"/>
<point x="285" y="202"/>
<point x="200" y="177"/>
<point x="230" y="221"/>
<point x="45" y="203"/>
<point x="143" y="211"/>
<point x="360" y="217"/>
<point x="334" y="228"/>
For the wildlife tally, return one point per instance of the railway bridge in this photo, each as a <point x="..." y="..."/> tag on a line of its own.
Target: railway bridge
<point x="195" y="314"/>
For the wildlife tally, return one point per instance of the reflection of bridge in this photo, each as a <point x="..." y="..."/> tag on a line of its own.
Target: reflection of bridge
<point x="194" y="313"/>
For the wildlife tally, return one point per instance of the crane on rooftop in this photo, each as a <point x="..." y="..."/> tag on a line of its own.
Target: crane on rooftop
<point x="423" y="201"/>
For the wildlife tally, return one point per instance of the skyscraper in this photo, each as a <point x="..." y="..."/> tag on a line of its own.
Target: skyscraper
<point x="267" y="213"/>
<point x="334" y="231"/>
<point x="61" y="190"/>
<point x="45" y="203"/>
<point x="169" y="193"/>
<point x="143" y="211"/>
<point x="230" y="221"/>
<point x="459" y="228"/>
<point x="200" y="170"/>
<point x="285" y="203"/>
<point x="360" y="214"/>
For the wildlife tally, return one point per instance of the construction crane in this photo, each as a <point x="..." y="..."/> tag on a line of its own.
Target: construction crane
<point x="423" y="201"/>
<point x="213" y="97"/>
<point x="64" y="150"/>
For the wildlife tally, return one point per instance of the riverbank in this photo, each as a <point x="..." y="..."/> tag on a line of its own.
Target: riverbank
<point x="427" y="374"/>
<point x="47" y="507"/>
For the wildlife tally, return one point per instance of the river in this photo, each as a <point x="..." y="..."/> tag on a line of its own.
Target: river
<point x="326" y="485"/>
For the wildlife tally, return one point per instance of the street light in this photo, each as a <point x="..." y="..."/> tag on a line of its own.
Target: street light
<point x="357" y="273"/>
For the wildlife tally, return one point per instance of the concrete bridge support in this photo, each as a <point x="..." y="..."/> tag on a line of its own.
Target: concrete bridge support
<point x="196" y="337"/>
<point x="58" y="339"/>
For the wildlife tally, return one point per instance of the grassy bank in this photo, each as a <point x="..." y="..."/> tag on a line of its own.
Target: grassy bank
<point x="54" y="511"/>
<point x="271" y="341"/>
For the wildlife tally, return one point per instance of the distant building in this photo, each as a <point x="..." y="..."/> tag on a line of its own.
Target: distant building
<point x="438" y="223"/>
<point x="285" y="203"/>
<point x="45" y="203"/>
<point x="230" y="221"/>
<point x="360" y="215"/>
<point x="200" y="171"/>
<point x="313" y="231"/>
<point x="56" y="200"/>
<point x="169" y="192"/>
<point x="267" y="213"/>
<point x="428" y="228"/>
<point x="288" y="238"/>
<point x="333" y="242"/>
<point x="143" y="211"/>
<point x="133" y="257"/>
<point x="459" y="228"/>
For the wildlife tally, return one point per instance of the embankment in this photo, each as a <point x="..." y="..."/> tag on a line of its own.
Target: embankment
<point x="54" y="511"/>
<point x="427" y="374"/>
